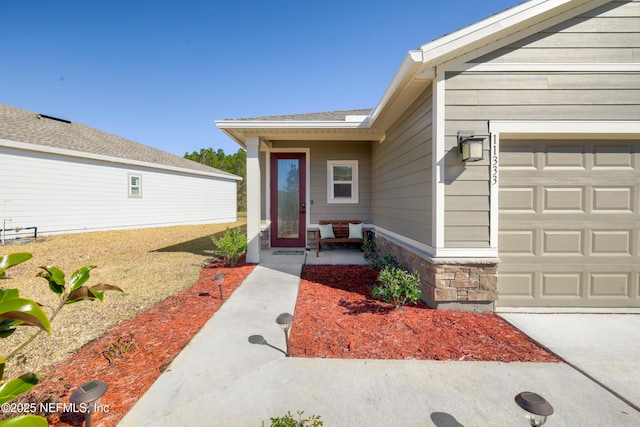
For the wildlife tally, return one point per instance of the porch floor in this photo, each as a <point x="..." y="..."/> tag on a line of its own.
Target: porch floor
<point x="302" y="256"/>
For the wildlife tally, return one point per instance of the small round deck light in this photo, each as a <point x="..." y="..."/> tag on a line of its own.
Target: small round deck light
<point x="536" y="407"/>
<point x="219" y="279"/>
<point x="88" y="396"/>
<point x="285" y="320"/>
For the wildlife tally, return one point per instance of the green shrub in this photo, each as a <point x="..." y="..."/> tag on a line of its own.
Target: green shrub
<point x="231" y="246"/>
<point x="289" y="421"/>
<point x="371" y="256"/>
<point x="397" y="286"/>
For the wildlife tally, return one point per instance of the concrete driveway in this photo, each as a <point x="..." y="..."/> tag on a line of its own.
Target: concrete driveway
<point x="604" y="347"/>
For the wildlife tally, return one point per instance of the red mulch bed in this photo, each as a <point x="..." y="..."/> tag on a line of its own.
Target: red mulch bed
<point x="158" y="336"/>
<point x="335" y="317"/>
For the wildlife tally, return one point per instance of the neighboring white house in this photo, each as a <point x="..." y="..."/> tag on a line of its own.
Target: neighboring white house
<point x="64" y="177"/>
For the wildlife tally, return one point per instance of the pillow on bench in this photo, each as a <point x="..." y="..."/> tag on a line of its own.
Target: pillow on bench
<point x="355" y="231"/>
<point x="326" y="231"/>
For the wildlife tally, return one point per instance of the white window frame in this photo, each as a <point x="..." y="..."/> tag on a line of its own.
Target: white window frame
<point x="354" y="181"/>
<point x="132" y="186"/>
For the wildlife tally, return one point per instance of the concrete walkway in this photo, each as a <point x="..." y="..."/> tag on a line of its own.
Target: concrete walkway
<point x="225" y="377"/>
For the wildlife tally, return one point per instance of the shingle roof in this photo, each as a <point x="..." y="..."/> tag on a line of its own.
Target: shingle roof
<point x="28" y="127"/>
<point x="322" y="116"/>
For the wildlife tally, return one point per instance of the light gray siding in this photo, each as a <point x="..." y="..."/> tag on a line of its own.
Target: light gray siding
<point x="606" y="34"/>
<point x="474" y="98"/>
<point x="402" y="174"/>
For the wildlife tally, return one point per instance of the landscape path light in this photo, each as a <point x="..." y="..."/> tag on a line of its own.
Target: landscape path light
<point x="536" y="407"/>
<point x="219" y="279"/>
<point x="87" y="396"/>
<point x="285" y="320"/>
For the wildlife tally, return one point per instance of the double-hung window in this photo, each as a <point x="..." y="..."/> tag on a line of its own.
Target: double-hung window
<point x="135" y="186"/>
<point x="342" y="181"/>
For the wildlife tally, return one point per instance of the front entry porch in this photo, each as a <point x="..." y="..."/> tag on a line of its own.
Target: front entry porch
<point x="342" y="256"/>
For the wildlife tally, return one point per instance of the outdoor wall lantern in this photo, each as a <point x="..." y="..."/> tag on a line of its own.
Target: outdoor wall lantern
<point x="87" y="396"/>
<point x="536" y="407"/>
<point x="470" y="146"/>
<point x="219" y="279"/>
<point x="285" y="320"/>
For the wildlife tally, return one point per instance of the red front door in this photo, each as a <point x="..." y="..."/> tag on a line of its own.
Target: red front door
<point x="288" y="198"/>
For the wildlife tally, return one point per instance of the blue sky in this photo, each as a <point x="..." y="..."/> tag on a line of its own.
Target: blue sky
<point x="160" y="72"/>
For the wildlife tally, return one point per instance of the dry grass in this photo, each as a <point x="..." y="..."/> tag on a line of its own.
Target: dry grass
<point x="148" y="264"/>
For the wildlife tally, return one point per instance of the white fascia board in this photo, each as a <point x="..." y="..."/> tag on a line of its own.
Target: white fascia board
<point x="558" y="128"/>
<point x="410" y="65"/>
<point x="293" y="124"/>
<point x="110" y="159"/>
<point x="490" y="26"/>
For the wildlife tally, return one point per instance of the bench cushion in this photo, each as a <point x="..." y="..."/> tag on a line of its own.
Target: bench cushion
<point x="355" y="231"/>
<point x="326" y="231"/>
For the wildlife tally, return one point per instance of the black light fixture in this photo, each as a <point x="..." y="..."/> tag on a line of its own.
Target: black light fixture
<point x="87" y="396"/>
<point x="285" y="320"/>
<point x="536" y="407"/>
<point x="219" y="279"/>
<point x="470" y="146"/>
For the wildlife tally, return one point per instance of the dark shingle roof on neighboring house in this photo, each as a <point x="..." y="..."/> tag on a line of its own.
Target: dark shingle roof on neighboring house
<point x="32" y="128"/>
<point x="322" y="116"/>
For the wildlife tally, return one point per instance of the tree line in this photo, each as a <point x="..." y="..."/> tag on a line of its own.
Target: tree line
<point x="233" y="163"/>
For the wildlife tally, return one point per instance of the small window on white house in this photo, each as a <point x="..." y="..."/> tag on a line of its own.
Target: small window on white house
<point x="342" y="181"/>
<point x="135" y="186"/>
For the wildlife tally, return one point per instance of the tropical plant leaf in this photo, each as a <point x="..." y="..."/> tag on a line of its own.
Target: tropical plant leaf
<point x="91" y="293"/>
<point x="1" y="368"/>
<point x="25" y="421"/>
<point x="14" y="388"/>
<point x="7" y="327"/>
<point x="79" y="277"/>
<point x="54" y="276"/>
<point x="23" y="310"/>
<point x="10" y="260"/>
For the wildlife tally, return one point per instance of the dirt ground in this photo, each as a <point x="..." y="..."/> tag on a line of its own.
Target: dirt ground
<point x="148" y="264"/>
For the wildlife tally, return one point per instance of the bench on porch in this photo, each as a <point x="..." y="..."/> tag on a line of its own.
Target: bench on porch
<point x="340" y="233"/>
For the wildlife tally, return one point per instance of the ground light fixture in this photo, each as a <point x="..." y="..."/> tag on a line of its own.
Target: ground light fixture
<point x="536" y="407"/>
<point x="219" y="279"/>
<point x="285" y="320"/>
<point x="87" y="397"/>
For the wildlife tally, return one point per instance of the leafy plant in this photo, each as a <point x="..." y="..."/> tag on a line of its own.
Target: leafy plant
<point x="289" y="421"/>
<point x="17" y="311"/>
<point x="118" y="348"/>
<point x="231" y="245"/>
<point x="397" y="286"/>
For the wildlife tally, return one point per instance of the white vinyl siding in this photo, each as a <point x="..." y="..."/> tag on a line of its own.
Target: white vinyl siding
<point x="43" y="189"/>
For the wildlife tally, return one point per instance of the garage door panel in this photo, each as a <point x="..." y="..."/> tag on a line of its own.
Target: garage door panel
<point x="608" y="156"/>
<point x="611" y="242"/>
<point x="612" y="199"/>
<point x="556" y="285"/>
<point x="563" y="242"/>
<point x="610" y="285"/>
<point x="521" y="242"/>
<point x="518" y="199"/>
<point x="565" y="199"/>
<point x="515" y="284"/>
<point x="565" y="156"/>
<point x="569" y="224"/>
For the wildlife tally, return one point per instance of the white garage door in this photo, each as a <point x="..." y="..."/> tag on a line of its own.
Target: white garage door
<point x="569" y="223"/>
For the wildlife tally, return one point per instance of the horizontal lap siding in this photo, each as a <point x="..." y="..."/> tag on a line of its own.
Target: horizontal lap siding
<point x="402" y="174"/>
<point x="60" y="195"/>
<point x="607" y="34"/>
